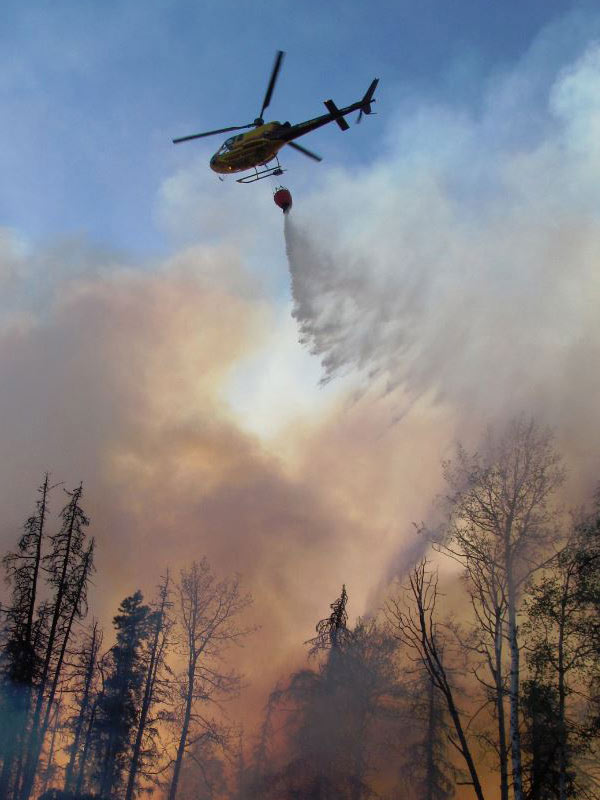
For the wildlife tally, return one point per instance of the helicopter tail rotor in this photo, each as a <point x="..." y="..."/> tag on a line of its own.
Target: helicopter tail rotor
<point x="367" y="100"/>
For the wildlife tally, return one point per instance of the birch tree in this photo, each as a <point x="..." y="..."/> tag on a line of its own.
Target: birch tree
<point x="562" y="650"/>
<point x="502" y="524"/>
<point x="209" y="621"/>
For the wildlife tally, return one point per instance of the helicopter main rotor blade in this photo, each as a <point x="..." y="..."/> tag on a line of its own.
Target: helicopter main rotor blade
<point x="305" y="151"/>
<point x="211" y="133"/>
<point x="271" y="86"/>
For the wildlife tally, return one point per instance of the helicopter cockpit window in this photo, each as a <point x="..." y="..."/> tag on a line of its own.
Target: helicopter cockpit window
<point x="229" y="144"/>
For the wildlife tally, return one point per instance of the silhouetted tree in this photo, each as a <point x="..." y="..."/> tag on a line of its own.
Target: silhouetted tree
<point x="63" y="566"/>
<point x="118" y="706"/>
<point x="414" y="624"/>
<point x="85" y="672"/>
<point x="562" y="628"/>
<point x="502" y="522"/>
<point x="541" y="734"/>
<point x="208" y="616"/>
<point x="336" y="710"/>
<point x="431" y="772"/>
<point x="158" y="637"/>
<point x="20" y="640"/>
<point x="55" y="725"/>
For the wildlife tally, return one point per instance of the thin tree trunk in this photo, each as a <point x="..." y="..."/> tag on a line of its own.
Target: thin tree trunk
<point x="184" y="730"/>
<point x="515" y="736"/>
<point x="430" y="765"/>
<point x="464" y="747"/>
<point x="148" y="691"/>
<point x="433" y="662"/>
<point x="34" y="743"/>
<point x="82" y="710"/>
<point x="52" y="744"/>
<point x="16" y="750"/>
<point x="108" y="774"/>
<point x="86" y="749"/>
<point x="502" y="749"/>
<point x="562" y="692"/>
<point x="39" y="742"/>
<point x="38" y="558"/>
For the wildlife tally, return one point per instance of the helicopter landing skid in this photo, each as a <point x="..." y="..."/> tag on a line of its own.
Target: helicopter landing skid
<point x="258" y="175"/>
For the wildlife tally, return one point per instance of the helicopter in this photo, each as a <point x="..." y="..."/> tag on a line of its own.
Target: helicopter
<point x="258" y="148"/>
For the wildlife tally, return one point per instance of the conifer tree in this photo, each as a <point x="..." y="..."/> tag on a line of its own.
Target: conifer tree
<point x="63" y="567"/>
<point x="85" y="672"/>
<point x="21" y="640"/>
<point x="336" y="708"/>
<point x="159" y="628"/>
<point x="118" y="706"/>
<point x="430" y="771"/>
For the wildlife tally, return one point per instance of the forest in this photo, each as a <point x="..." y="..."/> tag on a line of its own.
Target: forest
<point x="477" y="676"/>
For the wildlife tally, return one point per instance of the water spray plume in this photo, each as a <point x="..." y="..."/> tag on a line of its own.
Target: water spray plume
<point x="472" y="281"/>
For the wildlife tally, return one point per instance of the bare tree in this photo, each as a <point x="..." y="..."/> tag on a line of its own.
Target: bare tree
<point x="425" y="766"/>
<point x="415" y="626"/>
<point x="85" y="671"/>
<point x="502" y="523"/>
<point x="51" y="769"/>
<point x="208" y="615"/>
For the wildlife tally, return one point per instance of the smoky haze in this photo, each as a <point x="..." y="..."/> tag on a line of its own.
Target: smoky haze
<point x="118" y="377"/>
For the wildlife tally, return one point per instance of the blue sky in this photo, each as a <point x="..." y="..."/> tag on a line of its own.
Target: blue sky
<point x="92" y="93"/>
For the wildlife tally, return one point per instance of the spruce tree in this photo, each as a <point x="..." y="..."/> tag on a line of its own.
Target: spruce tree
<point x="63" y="566"/>
<point x="119" y="704"/>
<point x="22" y="638"/>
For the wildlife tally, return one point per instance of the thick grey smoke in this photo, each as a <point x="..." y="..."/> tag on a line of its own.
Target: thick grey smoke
<point x="464" y="267"/>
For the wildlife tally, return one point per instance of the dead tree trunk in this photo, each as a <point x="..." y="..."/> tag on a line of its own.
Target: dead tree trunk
<point x="84" y="705"/>
<point x="416" y="628"/>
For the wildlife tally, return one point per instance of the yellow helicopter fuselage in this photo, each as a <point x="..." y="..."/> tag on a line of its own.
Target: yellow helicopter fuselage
<point x="247" y="150"/>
